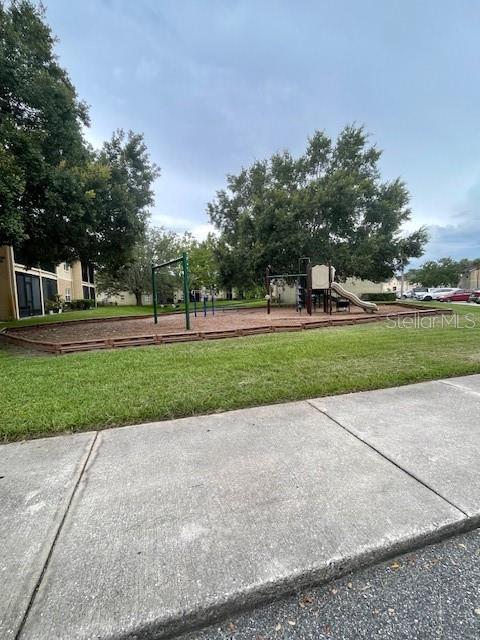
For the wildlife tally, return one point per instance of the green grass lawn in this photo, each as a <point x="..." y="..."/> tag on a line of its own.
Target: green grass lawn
<point x="55" y="394"/>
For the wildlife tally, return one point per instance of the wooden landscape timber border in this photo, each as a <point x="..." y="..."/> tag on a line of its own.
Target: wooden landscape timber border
<point x="61" y="348"/>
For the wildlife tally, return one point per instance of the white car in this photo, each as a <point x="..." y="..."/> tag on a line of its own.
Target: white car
<point x="411" y="292"/>
<point x="431" y="292"/>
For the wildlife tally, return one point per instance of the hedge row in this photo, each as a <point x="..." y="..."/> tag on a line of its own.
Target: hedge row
<point x="79" y="305"/>
<point x="379" y="297"/>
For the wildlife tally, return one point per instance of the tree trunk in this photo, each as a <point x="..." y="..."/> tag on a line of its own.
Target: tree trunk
<point x="138" y="298"/>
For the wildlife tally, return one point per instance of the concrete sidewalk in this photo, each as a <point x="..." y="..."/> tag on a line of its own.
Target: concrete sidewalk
<point x="143" y="531"/>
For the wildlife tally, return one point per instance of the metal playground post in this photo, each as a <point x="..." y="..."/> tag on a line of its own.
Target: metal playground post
<point x="186" y="295"/>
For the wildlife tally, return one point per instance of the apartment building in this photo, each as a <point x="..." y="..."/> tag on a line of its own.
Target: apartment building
<point x="470" y="279"/>
<point x="25" y="292"/>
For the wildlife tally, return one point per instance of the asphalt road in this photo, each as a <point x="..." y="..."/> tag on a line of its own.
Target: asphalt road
<point x="431" y="593"/>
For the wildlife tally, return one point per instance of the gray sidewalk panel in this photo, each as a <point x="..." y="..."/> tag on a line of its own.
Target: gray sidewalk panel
<point x="470" y="383"/>
<point x="176" y="522"/>
<point x="37" y="481"/>
<point x="430" y="429"/>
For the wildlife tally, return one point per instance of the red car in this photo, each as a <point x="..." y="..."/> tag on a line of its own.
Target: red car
<point x="462" y="295"/>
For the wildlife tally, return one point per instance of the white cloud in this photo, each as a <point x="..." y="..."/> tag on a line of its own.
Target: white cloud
<point x="199" y="230"/>
<point x="172" y="222"/>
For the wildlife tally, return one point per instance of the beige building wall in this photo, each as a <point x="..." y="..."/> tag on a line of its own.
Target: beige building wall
<point x="68" y="279"/>
<point x="76" y="279"/>
<point x="64" y="282"/>
<point x="358" y="286"/>
<point x="473" y="281"/>
<point x="7" y="285"/>
<point x="78" y="282"/>
<point x="122" y="298"/>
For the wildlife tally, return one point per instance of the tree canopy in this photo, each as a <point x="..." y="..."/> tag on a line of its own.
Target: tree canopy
<point x="154" y="246"/>
<point x="445" y="272"/>
<point x="329" y="204"/>
<point x="158" y="245"/>
<point x="59" y="199"/>
<point x="202" y="260"/>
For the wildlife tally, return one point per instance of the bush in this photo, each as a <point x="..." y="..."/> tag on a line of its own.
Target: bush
<point x="379" y="297"/>
<point x="81" y="305"/>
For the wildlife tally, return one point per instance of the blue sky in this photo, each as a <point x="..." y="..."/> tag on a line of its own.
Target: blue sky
<point x="216" y="84"/>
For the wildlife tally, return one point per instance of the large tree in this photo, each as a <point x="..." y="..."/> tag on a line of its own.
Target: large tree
<point x="60" y="200"/>
<point x="329" y="204"/>
<point x="117" y="194"/>
<point x="41" y="139"/>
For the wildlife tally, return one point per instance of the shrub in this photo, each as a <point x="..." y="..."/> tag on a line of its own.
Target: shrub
<point x="81" y="305"/>
<point x="379" y="297"/>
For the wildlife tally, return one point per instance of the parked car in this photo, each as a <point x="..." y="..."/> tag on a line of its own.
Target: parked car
<point x="475" y="297"/>
<point x="438" y="293"/>
<point x="411" y="292"/>
<point x="461" y="295"/>
<point x="433" y="293"/>
<point x="425" y="294"/>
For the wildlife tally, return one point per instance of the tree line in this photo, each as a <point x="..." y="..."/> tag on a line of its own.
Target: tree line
<point x="159" y="245"/>
<point x="62" y="200"/>
<point x="445" y="272"/>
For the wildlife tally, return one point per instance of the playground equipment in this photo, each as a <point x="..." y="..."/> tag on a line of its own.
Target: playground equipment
<point x="303" y="286"/>
<point x="186" y="296"/>
<point x="202" y="295"/>
<point x="315" y="285"/>
<point x="354" y="299"/>
<point x="323" y="281"/>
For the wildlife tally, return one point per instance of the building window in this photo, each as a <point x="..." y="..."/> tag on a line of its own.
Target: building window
<point x="68" y="295"/>
<point x="50" y="290"/>
<point x="88" y="273"/>
<point x="66" y="266"/>
<point x="28" y="292"/>
<point x="88" y="293"/>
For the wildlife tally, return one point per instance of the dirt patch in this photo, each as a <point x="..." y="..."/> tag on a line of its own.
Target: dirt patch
<point x="222" y="321"/>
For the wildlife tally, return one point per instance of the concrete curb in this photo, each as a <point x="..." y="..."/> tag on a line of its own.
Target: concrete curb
<point x="188" y="621"/>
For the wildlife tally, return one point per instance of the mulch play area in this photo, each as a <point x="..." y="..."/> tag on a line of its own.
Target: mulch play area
<point x="107" y="333"/>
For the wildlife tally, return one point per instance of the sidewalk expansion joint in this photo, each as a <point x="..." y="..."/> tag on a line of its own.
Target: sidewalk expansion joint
<point x="461" y="387"/>
<point x="56" y="537"/>
<point x="385" y="457"/>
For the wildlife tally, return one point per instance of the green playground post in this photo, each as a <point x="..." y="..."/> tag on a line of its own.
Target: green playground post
<point x="186" y="290"/>
<point x="186" y="296"/>
<point x="154" y="295"/>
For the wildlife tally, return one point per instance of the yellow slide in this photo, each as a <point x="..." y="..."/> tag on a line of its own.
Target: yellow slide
<point x="354" y="299"/>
